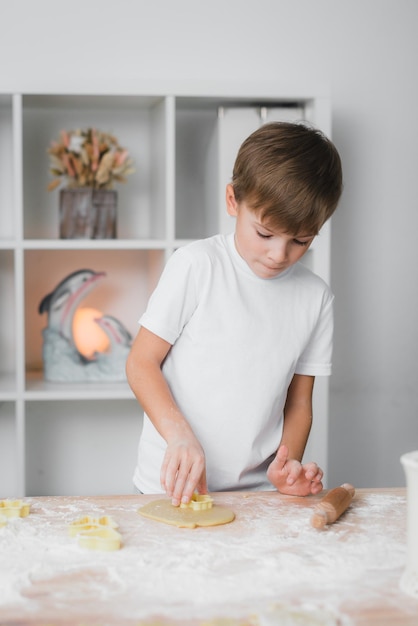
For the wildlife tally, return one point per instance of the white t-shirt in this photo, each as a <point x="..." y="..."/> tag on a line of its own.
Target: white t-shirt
<point x="237" y="340"/>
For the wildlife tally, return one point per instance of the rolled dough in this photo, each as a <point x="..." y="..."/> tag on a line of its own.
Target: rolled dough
<point x="164" y="511"/>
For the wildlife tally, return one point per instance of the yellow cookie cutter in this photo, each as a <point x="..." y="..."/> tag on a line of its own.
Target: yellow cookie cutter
<point x="96" y="533"/>
<point x="14" y="508"/>
<point x="90" y="523"/>
<point x="102" y="538"/>
<point x="198" y="503"/>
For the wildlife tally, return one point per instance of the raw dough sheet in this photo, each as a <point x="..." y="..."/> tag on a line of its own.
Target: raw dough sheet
<point x="164" y="511"/>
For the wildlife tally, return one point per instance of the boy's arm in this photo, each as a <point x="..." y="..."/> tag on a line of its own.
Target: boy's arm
<point x="183" y="468"/>
<point x="286" y="472"/>
<point x="298" y="415"/>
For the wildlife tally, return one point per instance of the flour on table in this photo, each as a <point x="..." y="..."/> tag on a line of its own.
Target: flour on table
<point x="268" y="564"/>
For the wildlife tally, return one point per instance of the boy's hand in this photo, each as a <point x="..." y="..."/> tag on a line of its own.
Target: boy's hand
<point x="290" y="477"/>
<point x="183" y="470"/>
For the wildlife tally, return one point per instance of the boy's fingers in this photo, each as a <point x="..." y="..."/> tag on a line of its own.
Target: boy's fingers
<point x="313" y="472"/>
<point x="167" y="479"/>
<point x="188" y="481"/>
<point x="186" y="494"/>
<point x="281" y="456"/>
<point x="171" y="478"/>
<point x="184" y="486"/>
<point x="318" y="477"/>
<point x="316" y="487"/>
<point x="295" y="469"/>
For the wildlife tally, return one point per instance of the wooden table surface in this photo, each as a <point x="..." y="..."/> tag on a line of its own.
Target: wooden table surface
<point x="268" y="567"/>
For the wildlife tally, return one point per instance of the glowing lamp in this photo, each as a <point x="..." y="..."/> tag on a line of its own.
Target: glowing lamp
<point x="87" y="334"/>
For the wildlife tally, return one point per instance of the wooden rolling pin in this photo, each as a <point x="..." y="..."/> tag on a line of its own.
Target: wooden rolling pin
<point x="332" y="505"/>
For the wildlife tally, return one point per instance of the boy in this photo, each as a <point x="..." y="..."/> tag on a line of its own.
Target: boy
<point x="236" y="330"/>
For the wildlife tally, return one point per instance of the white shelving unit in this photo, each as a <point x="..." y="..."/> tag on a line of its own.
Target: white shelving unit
<point x="82" y="438"/>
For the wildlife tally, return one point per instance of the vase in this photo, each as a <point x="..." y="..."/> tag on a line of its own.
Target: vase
<point x="88" y="213"/>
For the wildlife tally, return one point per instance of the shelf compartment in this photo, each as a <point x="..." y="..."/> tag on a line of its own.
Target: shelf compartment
<point x="8" y="438"/>
<point x="8" y="390"/>
<point x="196" y="198"/>
<point x="7" y="319"/>
<point x="81" y="447"/>
<point x="139" y="123"/>
<point x="7" y="155"/>
<point x="131" y="276"/>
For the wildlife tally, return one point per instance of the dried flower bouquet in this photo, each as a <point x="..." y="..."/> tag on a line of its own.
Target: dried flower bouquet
<point x="88" y="158"/>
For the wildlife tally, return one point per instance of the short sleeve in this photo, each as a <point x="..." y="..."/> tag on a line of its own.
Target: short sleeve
<point x="316" y="359"/>
<point x="174" y="299"/>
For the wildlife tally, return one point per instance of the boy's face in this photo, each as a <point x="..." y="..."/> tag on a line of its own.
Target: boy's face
<point x="268" y="252"/>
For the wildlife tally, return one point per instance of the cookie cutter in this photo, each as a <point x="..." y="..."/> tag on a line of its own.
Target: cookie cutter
<point x="90" y="523"/>
<point x="102" y="538"/>
<point x="14" y="508"/>
<point x="96" y="533"/>
<point x="198" y="502"/>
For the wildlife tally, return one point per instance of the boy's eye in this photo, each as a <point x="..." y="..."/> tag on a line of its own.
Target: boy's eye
<point x="263" y="235"/>
<point x="300" y="243"/>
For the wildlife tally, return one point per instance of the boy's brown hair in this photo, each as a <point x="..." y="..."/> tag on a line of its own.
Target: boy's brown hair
<point x="290" y="175"/>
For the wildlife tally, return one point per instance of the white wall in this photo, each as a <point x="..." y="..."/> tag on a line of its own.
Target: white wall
<point x="365" y="52"/>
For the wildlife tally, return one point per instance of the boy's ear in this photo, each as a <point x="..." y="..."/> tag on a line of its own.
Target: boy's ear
<point x="231" y="202"/>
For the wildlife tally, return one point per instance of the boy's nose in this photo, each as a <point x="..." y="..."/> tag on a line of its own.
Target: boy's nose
<point x="278" y="253"/>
